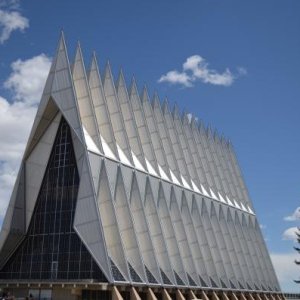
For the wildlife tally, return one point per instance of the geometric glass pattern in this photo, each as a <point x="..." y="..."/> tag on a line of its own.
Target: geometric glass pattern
<point x="51" y="249"/>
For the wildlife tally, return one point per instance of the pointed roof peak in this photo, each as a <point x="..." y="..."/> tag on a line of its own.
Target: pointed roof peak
<point x="61" y="59"/>
<point x="176" y="111"/>
<point x="133" y="87"/>
<point x="165" y="106"/>
<point x="94" y="62"/>
<point x="78" y="54"/>
<point x="93" y="67"/>
<point x="62" y="34"/>
<point x="121" y="78"/>
<point x="121" y="83"/>
<point x="155" y="96"/>
<point x="155" y="100"/>
<point x="145" y="95"/>
<point x="133" y="81"/>
<point x="61" y="42"/>
<point x="107" y="71"/>
<point x="107" y="65"/>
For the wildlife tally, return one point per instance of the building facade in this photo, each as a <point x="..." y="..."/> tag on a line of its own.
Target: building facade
<point x="121" y="197"/>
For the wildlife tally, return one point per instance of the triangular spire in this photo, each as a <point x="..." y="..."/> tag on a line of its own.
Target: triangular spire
<point x="117" y="119"/>
<point x="165" y="106"/>
<point x="101" y="111"/>
<point x="145" y="95"/>
<point x="130" y="124"/>
<point x="85" y="105"/>
<point x="176" y="112"/>
<point x="62" y="90"/>
<point x="121" y="84"/>
<point x="46" y="105"/>
<point x="133" y="90"/>
<point x="156" y="101"/>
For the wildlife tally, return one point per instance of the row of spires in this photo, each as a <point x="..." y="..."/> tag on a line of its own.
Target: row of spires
<point x="117" y="140"/>
<point x="144" y="96"/>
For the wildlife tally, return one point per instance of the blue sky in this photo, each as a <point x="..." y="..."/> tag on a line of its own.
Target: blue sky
<point x="254" y="45"/>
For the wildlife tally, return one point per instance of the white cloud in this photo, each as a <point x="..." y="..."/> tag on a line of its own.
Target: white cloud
<point x="174" y="77"/>
<point x="27" y="78"/>
<point x="295" y="215"/>
<point x="196" y="68"/>
<point x="200" y="70"/>
<point x="290" y="234"/>
<point x="286" y="269"/>
<point x="11" y="19"/>
<point x="26" y="83"/>
<point x="10" y="4"/>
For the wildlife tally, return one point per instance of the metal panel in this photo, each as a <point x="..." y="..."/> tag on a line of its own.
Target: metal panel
<point x="127" y="231"/>
<point x="143" y="130"/>
<point x="101" y="111"/>
<point x="239" y="175"/>
<point x="220" y="238"/>
<point x="164" y="169"/>
<point x="62" y="90"/>
<point x="157" y="235"/>
<point x="127" y="178"/>
<point x="87" y="218"/>
<point x="232" y="247"/>
<point x="184" y="144"/>
<point x="243" y="259"/>
<point x="201" y="156"/>
<point x="13" y="227"/>
<point x="223" y="171"/>
<point x="166" y="142"/>
<point x="142" y="230"/>
<point x="95" y="164"/>
<point x="205" y="135"/>
<point x="116" y="116"/>
<point x="193" y="241"/>
<point x="170" y="237"/>
<point x="35" y="167"/>
<point x="110" y="226"/>
<point x="200" y="179"/>
<point x="212" y="241"/>
<point x="112" y="169"/>
<point x="261" y="279"/>
<point x="84" y="101"/>
<point x="204" y="244"/>
<point x="241" y="238"/>
<point x="130" y="126"/>
<point x="182" y="240"/>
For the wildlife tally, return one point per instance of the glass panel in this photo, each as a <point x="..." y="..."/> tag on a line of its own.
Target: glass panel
<point x="51" y="249"/>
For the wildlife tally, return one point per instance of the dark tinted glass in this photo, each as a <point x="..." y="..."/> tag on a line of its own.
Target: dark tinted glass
<point x="51" y="249"/>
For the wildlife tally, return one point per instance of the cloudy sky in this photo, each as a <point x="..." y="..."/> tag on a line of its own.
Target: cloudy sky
<point x="233" y="64"/>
